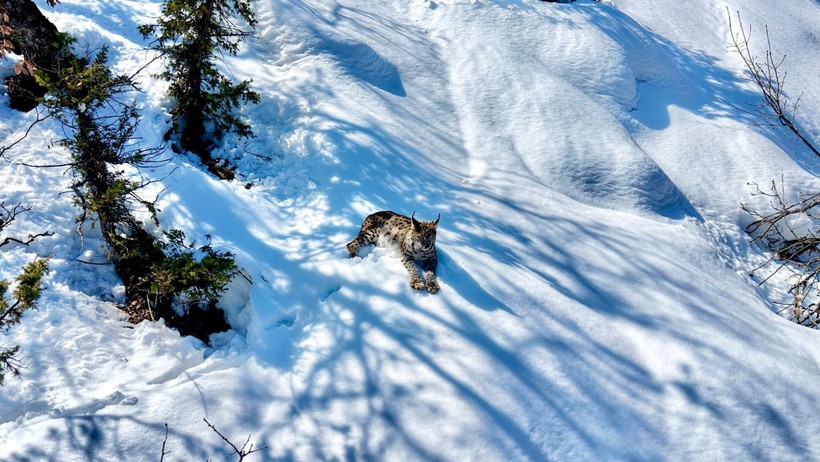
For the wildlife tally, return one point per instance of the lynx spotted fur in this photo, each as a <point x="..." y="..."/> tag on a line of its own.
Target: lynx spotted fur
<point x="415" y="240"/>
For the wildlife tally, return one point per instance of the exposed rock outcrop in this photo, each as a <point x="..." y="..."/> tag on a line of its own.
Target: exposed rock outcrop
<point x="35" y="38"/>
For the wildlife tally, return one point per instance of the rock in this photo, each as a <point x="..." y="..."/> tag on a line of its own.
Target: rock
<point x="38" y="41"/>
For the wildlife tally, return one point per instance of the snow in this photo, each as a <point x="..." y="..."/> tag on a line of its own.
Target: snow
<point x="588" y="161"/>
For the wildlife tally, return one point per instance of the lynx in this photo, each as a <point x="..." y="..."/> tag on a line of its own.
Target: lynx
<point x="415" y="240"/>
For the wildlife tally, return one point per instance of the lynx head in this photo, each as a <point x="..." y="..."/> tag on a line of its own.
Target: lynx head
<point x="424" y="232"/>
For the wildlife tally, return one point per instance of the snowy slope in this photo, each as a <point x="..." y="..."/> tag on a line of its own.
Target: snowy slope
<point x="595" y="302"/>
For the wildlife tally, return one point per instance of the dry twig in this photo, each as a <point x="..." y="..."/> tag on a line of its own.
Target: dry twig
<point x="770" y="77"/>
<point x="792" y="233"/>
<point x="244" y="451"/>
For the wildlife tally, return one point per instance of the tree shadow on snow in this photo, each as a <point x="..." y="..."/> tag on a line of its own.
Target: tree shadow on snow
<point x="587" y="395"/>
<point x="99" y="437"/>
<point x="468" y="288"/>
<point x="711" y="91"/>
<point x="378" y="371"/>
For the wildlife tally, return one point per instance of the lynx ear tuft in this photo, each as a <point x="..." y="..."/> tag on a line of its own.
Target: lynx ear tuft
<point x="416" y="224"/>
<point x="435" y="223"/>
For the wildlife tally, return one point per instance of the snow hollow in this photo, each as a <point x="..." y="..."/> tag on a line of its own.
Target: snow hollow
<point x="588" y="161"/>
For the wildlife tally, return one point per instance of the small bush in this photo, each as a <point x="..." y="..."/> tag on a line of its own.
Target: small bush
<point x="175" y="281"/>
<point x="24" y="297"/>
<point x="189" y="280"/>
<point x="791" y="231"/>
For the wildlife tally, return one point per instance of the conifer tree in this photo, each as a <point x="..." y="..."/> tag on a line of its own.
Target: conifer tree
<point x="86" y="99"/>
<point x="190" y="35"/>
<point x="25" y="295"/>
<point x="91" y="102"/>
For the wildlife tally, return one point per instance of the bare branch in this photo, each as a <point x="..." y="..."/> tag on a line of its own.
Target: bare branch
<point x="7" y="216"/>
<point x="770" y="78"/>
<point x="792" y="233"/>
<point x="164" y="440"/>
<point x="244" y="451"/>
<point x="29" y="239"/>
<point x="39" y="119"/>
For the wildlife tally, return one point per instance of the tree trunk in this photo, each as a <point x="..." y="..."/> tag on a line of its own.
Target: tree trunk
<point x="194" y="130"/>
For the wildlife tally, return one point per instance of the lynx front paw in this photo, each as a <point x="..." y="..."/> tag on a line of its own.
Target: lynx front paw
<point x="417" y="284"/>
<point x="432" y="287"/>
